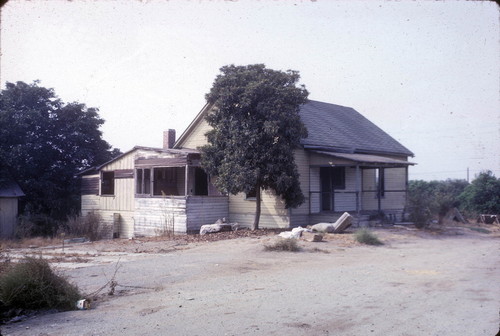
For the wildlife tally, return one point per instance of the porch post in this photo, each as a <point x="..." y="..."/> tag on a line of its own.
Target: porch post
<point x="358" y="189"/>
<point x="186" y="181"/>
<point x="379" y="189"/>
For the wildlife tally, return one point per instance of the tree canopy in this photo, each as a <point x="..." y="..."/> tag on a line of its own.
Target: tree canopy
<point x="433" y="198"/>
<point x="44" y="142"/>
<point x="255" y="128"/>
<point x="482" y="196"/>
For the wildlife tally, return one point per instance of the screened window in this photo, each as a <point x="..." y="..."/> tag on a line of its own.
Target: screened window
<point x="108" y="183"/>
<point x="165" y="181"/>
<point x="380" y="181"/>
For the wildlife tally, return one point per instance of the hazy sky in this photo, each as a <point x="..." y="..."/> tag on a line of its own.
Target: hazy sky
<point x="426" y="72"/>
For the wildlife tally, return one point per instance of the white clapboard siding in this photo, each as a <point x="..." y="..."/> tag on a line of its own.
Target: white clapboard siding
<point x="315" y="196"/>
<point x="270" y="205"/>
<point x="265" y="221"/>
<point x="197" y="136"/>
<point x="90" y="203"/>
<point x="122" y="200"/>
<point x="159" y="215"/>
<point x="125" y="162"/>
<point x="242" y="209"/>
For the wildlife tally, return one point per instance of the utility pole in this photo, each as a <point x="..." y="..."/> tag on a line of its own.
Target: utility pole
<point x="467" y="174"/>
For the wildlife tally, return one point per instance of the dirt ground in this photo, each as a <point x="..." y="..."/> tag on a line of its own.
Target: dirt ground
<point x="444" y="281"/>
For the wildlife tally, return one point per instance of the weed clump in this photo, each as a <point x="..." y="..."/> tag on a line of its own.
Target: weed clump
<point x="31" y="284"/>
<point x="365" y="236"/>
<point x="89" y="226"/>
<point x="283" y="244"/>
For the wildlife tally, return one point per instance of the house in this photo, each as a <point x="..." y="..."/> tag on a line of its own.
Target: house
<point x="346" y="163"/>
<point x="10" y="192"/>
<point x="152" y="191"/>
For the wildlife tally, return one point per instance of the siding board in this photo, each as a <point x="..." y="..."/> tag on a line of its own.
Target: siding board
<point x="90" y="185"/>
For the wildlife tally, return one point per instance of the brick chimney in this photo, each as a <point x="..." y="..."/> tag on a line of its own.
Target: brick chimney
<point x="168" y="138"/>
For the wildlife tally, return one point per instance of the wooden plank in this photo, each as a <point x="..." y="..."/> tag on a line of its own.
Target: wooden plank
<point x="90" y="185"/>
<point x="163" y="162"/>
<point x="124" y="173"/>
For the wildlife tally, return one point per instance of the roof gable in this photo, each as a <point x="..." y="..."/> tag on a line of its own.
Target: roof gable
<point x="341" y="128"/>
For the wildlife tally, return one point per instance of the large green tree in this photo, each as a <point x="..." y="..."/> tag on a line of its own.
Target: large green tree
<point x="255" y="128"/>
<point x="482" y="196"/>
<point x="44" y="142"/>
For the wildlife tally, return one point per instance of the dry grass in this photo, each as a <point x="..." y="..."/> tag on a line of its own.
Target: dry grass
<point x="365" y="236"/>
<point x="29" y="242"/>
<point x="32" y="284"/>
<point x="283" y="244"/>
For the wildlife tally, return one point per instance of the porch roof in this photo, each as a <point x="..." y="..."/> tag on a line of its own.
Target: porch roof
<point x="367" y="159"/>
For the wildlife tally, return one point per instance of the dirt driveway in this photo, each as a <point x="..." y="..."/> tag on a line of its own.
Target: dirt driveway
<point x="418" y="283"/>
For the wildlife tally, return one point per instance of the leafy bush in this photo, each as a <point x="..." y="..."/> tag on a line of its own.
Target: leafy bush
<point x="427" y="200"/>
<point x="31" y="284"/>
<point x="283" y="244"/>
<point x="419" y="203"/>
<point x="482" y="196"/>
<point x="365" y="236"/>
<point x="89" y="226"/>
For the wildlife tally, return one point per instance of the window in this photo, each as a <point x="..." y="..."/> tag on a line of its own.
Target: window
<point x="108" y="183"/>
<point x="380" y="181"/>
<point x="252" y="194"/>
<point x="331" y="179"/>
<point x="143" y="181"/>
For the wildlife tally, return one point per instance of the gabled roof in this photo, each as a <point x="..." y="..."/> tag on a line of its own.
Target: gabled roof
<point x="332" y="128"/>
<point x="342" y="129"/>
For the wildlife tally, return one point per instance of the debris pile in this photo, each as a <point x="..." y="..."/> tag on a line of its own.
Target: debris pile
<point x="219" y="226"/>
<point x="295" y="233"/>
<point x="488" y="219"/>
<point x="340" y="225"/>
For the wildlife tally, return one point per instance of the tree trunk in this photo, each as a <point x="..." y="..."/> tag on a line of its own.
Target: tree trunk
<point x="255" y="225"/>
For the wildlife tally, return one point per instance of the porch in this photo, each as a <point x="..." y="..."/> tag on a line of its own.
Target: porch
<point x="174" y="195"/>
<point x="369" y="187"/>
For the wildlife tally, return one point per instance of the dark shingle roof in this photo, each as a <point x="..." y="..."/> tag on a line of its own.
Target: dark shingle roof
<point x="343" y="129"/>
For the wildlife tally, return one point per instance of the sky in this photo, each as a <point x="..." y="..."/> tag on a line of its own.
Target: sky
<point x="426" y="72"/>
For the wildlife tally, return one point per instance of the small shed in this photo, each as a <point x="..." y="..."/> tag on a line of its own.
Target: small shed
<point x="9" y="197"/>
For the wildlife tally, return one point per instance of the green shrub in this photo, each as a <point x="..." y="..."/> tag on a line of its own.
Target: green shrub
<point x="31" y="284"/>
<point x="428" y="200"/>
<point x="283" y="244"/>
<point x="482" y="196"/>
<point x="365" y="236"/>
